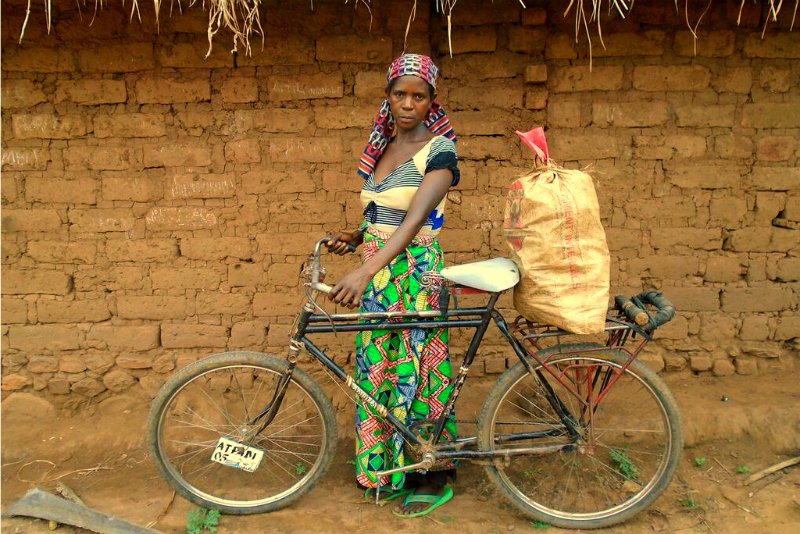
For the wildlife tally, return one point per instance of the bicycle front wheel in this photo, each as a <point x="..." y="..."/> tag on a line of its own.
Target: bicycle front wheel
<point x="212" y="406"/>
<point x="626" y="452"/>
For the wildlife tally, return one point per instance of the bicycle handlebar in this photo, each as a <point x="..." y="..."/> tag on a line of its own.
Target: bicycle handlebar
<point x="634" y="309"/>
<point x="315" y="283"/>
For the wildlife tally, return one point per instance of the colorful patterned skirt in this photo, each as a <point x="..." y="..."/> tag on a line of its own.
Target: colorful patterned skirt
<point x="408" y="371"/>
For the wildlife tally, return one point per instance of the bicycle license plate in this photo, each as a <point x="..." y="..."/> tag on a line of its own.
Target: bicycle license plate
<point x="233" y="454"/>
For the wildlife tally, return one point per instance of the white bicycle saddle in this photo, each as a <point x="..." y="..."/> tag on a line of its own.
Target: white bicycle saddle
<point x="495" y="275"/>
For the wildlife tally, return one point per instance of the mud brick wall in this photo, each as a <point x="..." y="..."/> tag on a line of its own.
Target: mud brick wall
<point x="157" y="206"/>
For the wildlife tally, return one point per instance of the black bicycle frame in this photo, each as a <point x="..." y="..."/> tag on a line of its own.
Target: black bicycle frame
<point x="478" y="318"/>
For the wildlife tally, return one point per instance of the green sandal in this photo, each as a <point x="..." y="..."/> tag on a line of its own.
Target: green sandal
<point x="369" y="495"/>
<point x="435" y="502"/>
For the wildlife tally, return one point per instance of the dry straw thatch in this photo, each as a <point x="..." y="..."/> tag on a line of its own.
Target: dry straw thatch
<point x="241" y="17"/>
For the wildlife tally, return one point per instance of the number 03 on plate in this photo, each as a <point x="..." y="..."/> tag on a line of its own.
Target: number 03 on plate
<point x="233" y="454"/>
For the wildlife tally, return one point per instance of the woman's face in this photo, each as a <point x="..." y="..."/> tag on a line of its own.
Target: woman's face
<point x="409" y="100"/>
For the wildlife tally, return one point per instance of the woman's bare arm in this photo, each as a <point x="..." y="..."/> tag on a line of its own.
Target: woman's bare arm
<point x="350" y="288"/>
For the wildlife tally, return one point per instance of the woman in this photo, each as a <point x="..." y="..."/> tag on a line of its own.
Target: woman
<point x="408" y="166"/>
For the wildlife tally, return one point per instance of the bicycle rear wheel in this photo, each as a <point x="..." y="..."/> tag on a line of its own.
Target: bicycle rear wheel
<point x="627" y="452"/>
<point x="219" y="397"/>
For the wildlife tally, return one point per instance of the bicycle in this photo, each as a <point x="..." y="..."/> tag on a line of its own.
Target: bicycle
<point x="577" y="435"/>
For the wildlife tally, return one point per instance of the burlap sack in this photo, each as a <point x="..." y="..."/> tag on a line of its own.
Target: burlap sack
<point x="552" y="224"/>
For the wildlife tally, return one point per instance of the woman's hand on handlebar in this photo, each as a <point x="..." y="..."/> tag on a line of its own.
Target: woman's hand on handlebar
<point x="350" y="288"/>
<point x="338" y="242"/>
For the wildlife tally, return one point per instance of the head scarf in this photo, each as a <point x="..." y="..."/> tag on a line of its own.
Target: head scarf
<point x="436" y="119"/>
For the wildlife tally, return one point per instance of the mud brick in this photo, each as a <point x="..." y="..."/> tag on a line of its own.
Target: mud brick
<point x="483" y="123"/>
<point x="101" y="220"/>
<point x="781" y="45"/>
<point x="771" y="115"/>
<point x="571" y="146"/>
<point x="370" y="84"/>
<point x="201" y="186"/>
<point x="763" y="240"/>
<point x="463" y="240"/>
<point x="733" y="146"/>
<point x="21" y="94"/>
<point x="630" y="114"/>
<point x="341" y="117"/>
<point x="481" y="148"/>
<point x="482" y="208"/>
<point x="564" y="114"/>
<point x="695" y="238"/>
<point x="246" y="275"/>
<point x="746" y="366"/>
<point x="693" y="299"/>
<point x="306" y="149"/>
<point x="560" y="46"/>
<point x="63" y="252"/>
<point x="536" y="73"/>
<point x="277" y="182"/>
<point x="298" y="244"/>
<point x="776" y="148"/>
<point x="142" y="250"/>
<point x="775" y="80"/>
<point x="192" y="55"/>
<point x="14" y="311"/>
<point x="574" y="79"/>
<point x="788" y="270"/>
<point x="504" y="94"/>
<point x="25" y="159"/>
<point x="305" y="87"/>
<point x="75" y="311"/>
<point x="353" y="49"/>
<point x="48" y="126"/>
<point x="319" y="211"/>
<point x="177" y="155"/>
<point x="57" y="190"/>
<point x="167" y="91"/>
<point x="678" y="328"/>
<point x="666" y="147"/>
<point x="711" y="44"/>
<point x="788" y="328"/>
<point x="536" y="98"/>
<point x="481" y="39"/>
<point x="730" y="210"/>
<point x="135" y="361"/>
<point x="705" y="176"/>
<point x="180" y="218"/>
<point x="705" y="116"/>
<point x="734" y="80"/>
<point x="478" y="14"/>
<point x="619" y="239"/>
<point x="14" y="382"/>
<point x="105" y="158"/>
<point x="663" y="267"/>
<point x="125" y="338"/>
<point x="527" y="40"/>
<point x="649" y="43"/>
<point x="276" y="303"/>
<point x="248" y="334"/>
<point x="280" y="49"/>
<point x="183" y="336"/>
<point x="43" y="337"/>
<point x="217" y="248"/>
<point x="155" y="308"/>
<point x="534" y="16"/>
<point x="223" y="303"/>
<point x="284" y="274"/>
<point x="336" y="181"/>
<point x="773" y="179"/>
<point x="43" y="364"/>
<point x="756" y="299"/>
<point x="30" y="220"/>
<point x="272" y="120"/>
<point x="132" y="57"/>
<point x="23" y="282"/>
<point x="754" y="328"/>
<point x="145" y="186"/>
<point x="243" y="151"/>
<point x="239" y="90"/>
<point x="38" y="59"/>
<point x="91" y="92"/>
<point x="672" y="78"/>
<point x="181" y="279"/>
<point x="129" y="125"/>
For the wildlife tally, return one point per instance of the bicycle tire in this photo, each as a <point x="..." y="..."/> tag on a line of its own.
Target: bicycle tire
<point x="201" y="403"/>
<point x="646" y="451"/>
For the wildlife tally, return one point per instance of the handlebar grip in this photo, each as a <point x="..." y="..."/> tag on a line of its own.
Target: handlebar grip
<point x="666" y="310"/>
<point x="324" y="288"/>
<point x="631" y="310"/>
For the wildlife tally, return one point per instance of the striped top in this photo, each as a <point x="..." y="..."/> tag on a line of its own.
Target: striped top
<point x="386" y="203"/>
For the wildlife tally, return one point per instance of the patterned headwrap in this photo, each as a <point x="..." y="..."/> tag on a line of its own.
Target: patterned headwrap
<point x="436" y="120"/>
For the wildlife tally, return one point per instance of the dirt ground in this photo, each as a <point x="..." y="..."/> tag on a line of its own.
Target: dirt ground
<point x="104" y="459"/>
